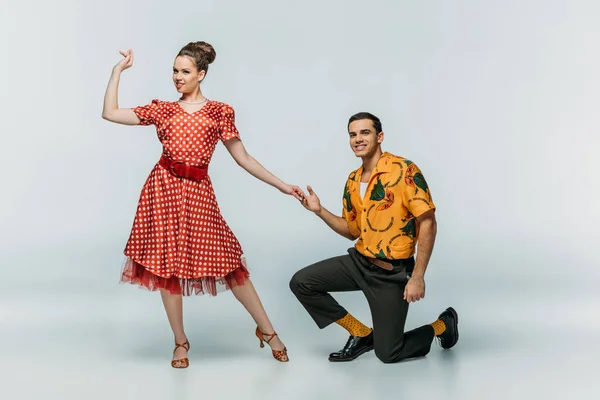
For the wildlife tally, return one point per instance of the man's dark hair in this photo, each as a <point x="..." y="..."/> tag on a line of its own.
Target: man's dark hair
<point x="366" y="115"/>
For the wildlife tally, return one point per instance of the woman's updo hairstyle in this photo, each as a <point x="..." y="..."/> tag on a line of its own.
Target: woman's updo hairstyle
<point x="201" y="53"/>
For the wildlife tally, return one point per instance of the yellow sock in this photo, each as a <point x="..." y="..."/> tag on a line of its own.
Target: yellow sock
<point x="438" y="327"/>
<point x="353" y="326"/>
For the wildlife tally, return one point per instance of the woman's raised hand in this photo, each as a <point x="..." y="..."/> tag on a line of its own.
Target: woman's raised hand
<point x="127" y="60"/>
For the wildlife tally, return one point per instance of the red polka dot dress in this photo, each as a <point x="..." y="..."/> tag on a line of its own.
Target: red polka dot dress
<point x="179" y="240"/>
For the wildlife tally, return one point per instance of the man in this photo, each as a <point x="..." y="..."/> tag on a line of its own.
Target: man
<point x="388" y="207"/>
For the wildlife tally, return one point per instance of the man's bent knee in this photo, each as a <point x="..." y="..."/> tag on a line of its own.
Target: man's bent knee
<point x="297" y="283"/>
<point x="386" y="356"/>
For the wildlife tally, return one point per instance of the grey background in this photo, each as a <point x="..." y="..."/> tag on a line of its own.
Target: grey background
<point x="495" y="101"/>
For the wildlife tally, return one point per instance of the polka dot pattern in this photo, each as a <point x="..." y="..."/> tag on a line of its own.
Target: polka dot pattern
<point x="178" y="230"/>
<point x="353" y="326"/>
<point x="439" y="327"/>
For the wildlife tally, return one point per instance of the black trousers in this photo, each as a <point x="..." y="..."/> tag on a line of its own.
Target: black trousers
<point x="384" y="291"/>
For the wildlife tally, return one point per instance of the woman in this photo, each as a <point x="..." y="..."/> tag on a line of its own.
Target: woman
<point x="180" y="244"/>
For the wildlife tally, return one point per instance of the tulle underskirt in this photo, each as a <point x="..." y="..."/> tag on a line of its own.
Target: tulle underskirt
<point x="135" y="273"/>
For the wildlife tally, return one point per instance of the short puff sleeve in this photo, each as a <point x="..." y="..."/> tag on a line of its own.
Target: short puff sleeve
<point x="227" y="128"/>
<point x="148" y="114"/>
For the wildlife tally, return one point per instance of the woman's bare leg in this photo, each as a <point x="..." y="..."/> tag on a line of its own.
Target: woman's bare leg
<point x="174" y="307"/>
<point x="246" y="294"/>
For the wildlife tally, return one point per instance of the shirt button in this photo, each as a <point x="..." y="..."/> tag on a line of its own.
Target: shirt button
<point x="364" y="209"/>
<point x="365" y="230"/>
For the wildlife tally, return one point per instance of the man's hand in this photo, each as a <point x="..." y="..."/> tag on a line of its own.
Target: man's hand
<point x="312" y="202"/>
<point x="415" y="289"/>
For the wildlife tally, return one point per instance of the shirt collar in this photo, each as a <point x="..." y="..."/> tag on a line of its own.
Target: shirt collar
<point x="384" y="165"/>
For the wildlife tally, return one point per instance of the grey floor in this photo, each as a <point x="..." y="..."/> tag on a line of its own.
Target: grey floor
<point x="96" y="339"/>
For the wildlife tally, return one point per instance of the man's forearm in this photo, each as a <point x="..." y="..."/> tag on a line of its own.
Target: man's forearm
<point x="338" y="224"/>
<point x="425" y="240"/>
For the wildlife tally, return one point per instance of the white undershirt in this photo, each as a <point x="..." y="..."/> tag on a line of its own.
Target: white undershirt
<point x="363" y="189"/>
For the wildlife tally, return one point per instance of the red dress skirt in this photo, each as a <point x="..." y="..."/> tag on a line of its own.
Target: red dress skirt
<point x="179" y="240"/>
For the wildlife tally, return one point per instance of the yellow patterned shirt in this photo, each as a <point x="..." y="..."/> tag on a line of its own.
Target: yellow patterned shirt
<point x="384" y="221"/>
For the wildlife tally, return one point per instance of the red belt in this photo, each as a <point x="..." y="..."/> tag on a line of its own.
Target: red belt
<point x="182" y="170"/>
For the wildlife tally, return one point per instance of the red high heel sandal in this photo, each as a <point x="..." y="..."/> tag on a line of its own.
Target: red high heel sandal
<point x="182" y="362"/>
<point x="279" y="355"/>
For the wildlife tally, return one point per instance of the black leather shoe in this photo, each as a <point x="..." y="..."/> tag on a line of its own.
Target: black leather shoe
<point x="450" y="336"/>
<point x="355" y="346"/>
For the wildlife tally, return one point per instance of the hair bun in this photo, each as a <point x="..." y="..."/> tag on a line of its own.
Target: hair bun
<point x="201" y="53"/>
<point x="208" y="51"/>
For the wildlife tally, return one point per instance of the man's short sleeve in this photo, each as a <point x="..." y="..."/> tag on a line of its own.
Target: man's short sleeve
<point x="417" y="196"/>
